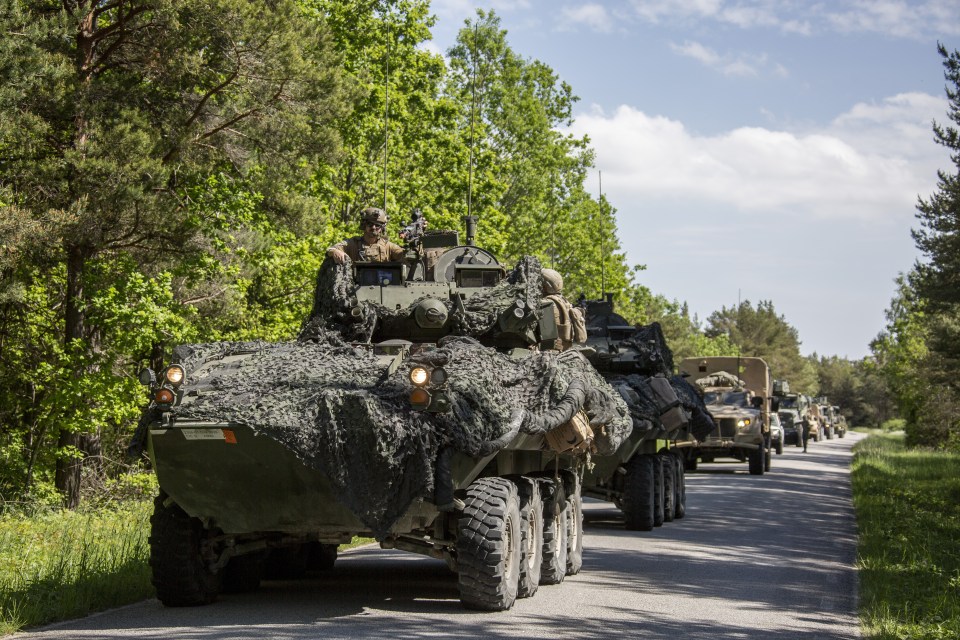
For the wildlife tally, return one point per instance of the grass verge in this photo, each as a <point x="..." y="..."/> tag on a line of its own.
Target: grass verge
<point x="908" y="514"/>
<point x="63" y="564"/>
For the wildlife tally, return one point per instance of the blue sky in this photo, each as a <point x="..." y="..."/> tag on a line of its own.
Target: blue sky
<point x="766" y="149"/>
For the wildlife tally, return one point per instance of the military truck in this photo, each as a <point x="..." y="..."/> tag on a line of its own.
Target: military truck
<point x="416" y="407"/>
<point x="738" y="393"/>
<point x="823" y="411"/>
<point x="645" y="477"/>
<point x="840" y="422"/>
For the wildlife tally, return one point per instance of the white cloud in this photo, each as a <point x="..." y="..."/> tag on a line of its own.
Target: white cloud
<point x="870" y="163"/>
<point x="592" y="15"/>
<point x="900" y="18"/>
<point x="728" y="64"/>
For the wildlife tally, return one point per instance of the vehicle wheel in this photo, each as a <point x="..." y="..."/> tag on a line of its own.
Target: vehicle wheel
<point x="638" y="494"/>
<point x="780" y="447"/>
<point x="242" y="574"/>
<point x="287" y="563"/>
<point x="669" y="486"/>
<point x="553" y="568"/>
<point x="767" y="458"/>
<point x="657" y="492"/>
<point x="488" y="545"/>
<point x="799" y="442"/>
<point x="756" y="461"/>
<point x="180" y="574"/>
<point x="531" y="536"/>
<point x="840" y="434"/>
<point x="690" y="462"/>
<point x="574" y="520"/>
<point x="680" y="502"/>
<point x="320" y="556"/>
<point x="830" y="433"/>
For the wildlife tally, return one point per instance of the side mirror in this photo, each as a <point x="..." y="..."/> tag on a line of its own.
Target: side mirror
<point x="757" y="402"/>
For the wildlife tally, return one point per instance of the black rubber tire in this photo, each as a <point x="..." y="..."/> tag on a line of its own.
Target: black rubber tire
<point x="180" y="575"/>
<point x="780" y="447"/>
<point x="637" y="501"/>
<point x="829" y="433"/>
<point x="488" y="545"/>
<point x="669" y="486"/>
<point x="553" y="568"/>
<point x="531" y="536"/>
<point x="320" y="556"/>
<point x="680" y="502"/>
<point x="657" y="492"/>
<point x="756" y="460"/>
<point x="767" y="459"/>
<point x="690" y="462"/>
<point x="841" y="434"/>
<point x="242" y="574"/>
<point x="574" y="520"/>
<point x="799" y="442"/>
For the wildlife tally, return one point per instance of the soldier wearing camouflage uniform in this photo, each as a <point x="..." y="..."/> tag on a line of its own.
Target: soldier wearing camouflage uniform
<point x="371" y="246"/>
<point x="571" y="326"/>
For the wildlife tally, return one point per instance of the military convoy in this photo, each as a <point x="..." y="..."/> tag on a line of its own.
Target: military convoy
<point x="416" y="407"/>
<point x="738" y="393"/>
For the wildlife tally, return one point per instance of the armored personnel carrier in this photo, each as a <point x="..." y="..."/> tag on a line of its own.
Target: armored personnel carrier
<point x="738" y="393"/>
<point x="645" y="476"/>
<point x="416" y="407"/>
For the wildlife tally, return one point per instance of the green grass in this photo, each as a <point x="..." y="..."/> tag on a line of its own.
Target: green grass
<point x="61" y="564"/>
<point x="908" y="514"/>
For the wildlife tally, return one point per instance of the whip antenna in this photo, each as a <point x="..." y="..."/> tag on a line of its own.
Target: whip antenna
<point x="473" y="111"/>
<point x="603" y="251"/>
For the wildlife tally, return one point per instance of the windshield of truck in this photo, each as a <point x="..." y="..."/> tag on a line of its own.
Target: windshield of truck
<point x="735" y="398"/>
<point x="786" y="418"/>
<point x="711" y="397"/>
<point x="788" y="403"/>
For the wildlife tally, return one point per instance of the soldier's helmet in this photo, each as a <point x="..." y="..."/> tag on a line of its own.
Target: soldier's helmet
<point x="552" y="282"/>
<point x="373" y="215"/>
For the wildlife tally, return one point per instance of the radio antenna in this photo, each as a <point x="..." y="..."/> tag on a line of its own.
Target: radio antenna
<point x="386" y="114"/>
<point x="603" y="251"/>
<point x="473" y="112"/>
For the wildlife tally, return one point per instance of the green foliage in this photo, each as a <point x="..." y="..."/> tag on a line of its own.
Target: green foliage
<point x="56" y="565"/>
<point x="760" y="332"/>
<point x="908" y="515"/>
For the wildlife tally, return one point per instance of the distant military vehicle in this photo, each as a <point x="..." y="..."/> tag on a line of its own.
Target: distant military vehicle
<point x="645" y="476"/>
<point x="792" y="406"/>
<point x="416" y="407"/>
<point x="738" y="393"/>
<point x="840" y="422"/>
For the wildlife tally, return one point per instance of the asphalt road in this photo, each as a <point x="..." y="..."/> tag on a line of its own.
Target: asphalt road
<point x="768" y="557"/>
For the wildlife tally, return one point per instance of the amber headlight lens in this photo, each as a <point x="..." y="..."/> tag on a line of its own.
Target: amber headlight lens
<point x="744" y="423"/>
<point x="419" y="398"/>
<point x="163" y="396"/>
<point x="419" y="376"/>
<point x="174" y="374"/>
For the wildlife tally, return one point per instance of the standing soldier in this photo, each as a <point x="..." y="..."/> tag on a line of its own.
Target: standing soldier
<point x="372" y="245"/>
<point x="806" y="431"/>
<point x="571" y="326"/>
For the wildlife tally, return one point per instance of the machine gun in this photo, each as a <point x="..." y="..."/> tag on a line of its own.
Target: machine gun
<point x="413" y="232"/>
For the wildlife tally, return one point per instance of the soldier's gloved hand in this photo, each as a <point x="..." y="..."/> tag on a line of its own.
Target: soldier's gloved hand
<point x="338" y="256"/>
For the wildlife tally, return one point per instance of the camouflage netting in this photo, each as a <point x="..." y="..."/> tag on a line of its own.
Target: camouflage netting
<point x="648" y="355"/>
<point x="342" y="413"/>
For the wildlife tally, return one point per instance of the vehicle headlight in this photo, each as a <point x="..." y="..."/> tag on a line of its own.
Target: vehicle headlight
<point x="438" y="376"/>
<point x="744" y="422"/>
<point x="419" y="398"/>
<point x="163" y="396"/>
<point x="419" y="376"/>
<point x="174" y="374"/>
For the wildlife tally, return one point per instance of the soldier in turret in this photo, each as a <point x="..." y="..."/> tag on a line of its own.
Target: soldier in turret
<point x="372" y="245"/>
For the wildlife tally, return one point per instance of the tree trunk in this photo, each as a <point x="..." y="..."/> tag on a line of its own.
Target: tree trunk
<point x="67" y="478"/>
